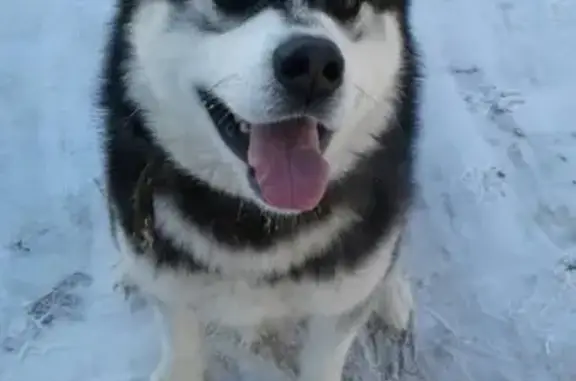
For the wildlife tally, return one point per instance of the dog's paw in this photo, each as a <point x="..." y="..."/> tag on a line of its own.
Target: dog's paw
<point x="131" y="294"/>
<point x="125" y="286"/>
<point x="127" y="290"/>
<point x="384" y="351"/>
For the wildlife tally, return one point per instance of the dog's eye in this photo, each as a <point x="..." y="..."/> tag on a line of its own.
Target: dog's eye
<point x="236" y="7"/>
<point x="344" y="10"/>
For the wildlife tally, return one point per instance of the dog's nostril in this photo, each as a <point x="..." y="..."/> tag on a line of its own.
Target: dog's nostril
<point x="308" y="68"/>
<point x="296" y="67"/>
<point x="332" y="71"/>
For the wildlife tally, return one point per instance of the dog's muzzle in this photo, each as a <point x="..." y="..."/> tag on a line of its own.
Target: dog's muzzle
<point x="285" y="156"/>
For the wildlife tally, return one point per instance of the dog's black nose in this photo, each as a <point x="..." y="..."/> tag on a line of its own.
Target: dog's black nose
<point x="309" y="68"/>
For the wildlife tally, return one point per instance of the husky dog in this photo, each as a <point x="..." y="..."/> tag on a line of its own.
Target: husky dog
<point x="259" y="165"/>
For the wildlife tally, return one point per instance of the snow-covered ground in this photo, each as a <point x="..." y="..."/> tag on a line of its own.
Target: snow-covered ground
<point x="492" y="246"/>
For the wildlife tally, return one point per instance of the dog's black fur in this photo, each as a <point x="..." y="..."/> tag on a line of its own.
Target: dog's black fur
<point x="379" y="188"/>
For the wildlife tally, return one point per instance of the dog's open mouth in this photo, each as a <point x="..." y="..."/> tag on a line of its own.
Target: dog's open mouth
<point x="287" y="167"/>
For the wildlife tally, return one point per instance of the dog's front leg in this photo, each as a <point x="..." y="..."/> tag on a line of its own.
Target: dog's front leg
<point x="327" y="344"/>
<point x="182" y="355"/>
<point x="395" y="304"/>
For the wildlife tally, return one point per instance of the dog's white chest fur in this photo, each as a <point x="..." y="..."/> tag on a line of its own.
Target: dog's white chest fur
<point x="333" y="311"/>
<point x="237" y="295"/>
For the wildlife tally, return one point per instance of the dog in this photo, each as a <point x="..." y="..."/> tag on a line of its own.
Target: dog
<point x="258" y="160"/>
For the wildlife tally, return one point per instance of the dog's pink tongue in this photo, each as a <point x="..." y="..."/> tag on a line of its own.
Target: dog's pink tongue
<point x="288" y="165"/>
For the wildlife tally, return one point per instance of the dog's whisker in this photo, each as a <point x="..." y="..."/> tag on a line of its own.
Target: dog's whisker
<point x="375" y="100"/>
<point x="383" y="104"/>
<point x="239" y="214"/>
<point x="223" y="81"/>
<point x="226" y="115"/>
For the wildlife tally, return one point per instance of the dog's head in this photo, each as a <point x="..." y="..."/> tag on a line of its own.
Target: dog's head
<point x="269" y="100"/>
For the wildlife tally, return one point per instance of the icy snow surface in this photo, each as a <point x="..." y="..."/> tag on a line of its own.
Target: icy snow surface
<point x="492" y="246"/>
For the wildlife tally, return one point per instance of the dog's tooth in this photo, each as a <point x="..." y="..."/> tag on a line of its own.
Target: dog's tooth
<point x="244" y="127"/>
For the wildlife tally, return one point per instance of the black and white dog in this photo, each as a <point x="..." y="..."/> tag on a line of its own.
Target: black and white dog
<point x="259" y="165"/>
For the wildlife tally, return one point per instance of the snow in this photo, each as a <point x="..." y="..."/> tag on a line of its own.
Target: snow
<point x="492" y="241"/>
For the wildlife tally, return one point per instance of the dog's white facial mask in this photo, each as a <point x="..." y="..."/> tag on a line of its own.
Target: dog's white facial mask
<point x="269" y="103"/>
